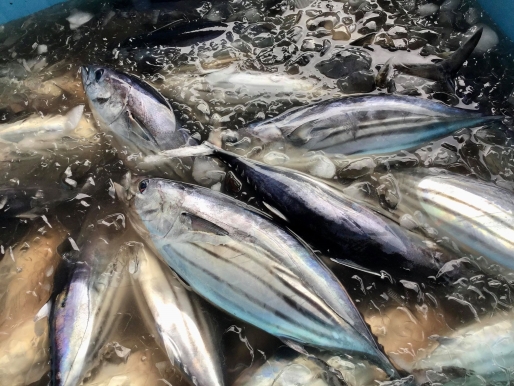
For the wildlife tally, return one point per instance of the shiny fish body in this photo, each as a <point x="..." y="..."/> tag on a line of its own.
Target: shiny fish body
<point x="329" y="220"/>
<point x="140" y="118"/>
<point x="479" y="216"/>
<point x="287" y="368"/>
<point x="82" y="313"/>
<point x="243" y="263"/>
<point x="371" y="124"/>
<point x="71" y="328"/>
<point x="181" y="325"/>
<point x="482" y="349"/>
<point x="35" y="125"/>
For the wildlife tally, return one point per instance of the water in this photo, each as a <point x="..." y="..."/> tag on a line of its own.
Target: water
<point x="269" y="57"/>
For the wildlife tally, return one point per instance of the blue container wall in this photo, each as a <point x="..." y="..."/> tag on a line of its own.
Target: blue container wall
<point x="502" y="12"/>
<point x="14" y="9"/>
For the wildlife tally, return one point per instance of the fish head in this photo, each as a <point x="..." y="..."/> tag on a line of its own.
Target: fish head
<point x="107" y="92"/>
<point x="154" y="204"/>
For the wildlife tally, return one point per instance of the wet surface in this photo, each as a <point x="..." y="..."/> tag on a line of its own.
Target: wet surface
<point x="225" y="65"/>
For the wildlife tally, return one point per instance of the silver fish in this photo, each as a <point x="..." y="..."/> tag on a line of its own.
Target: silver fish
<point x="178" y="318"/>
<point x="479" y="216"/>
<point x="140" y="118"/>
<point x="336" y="223"/>
<point x="287" y="367"/>
<point x="35" y="126"/>
<point x="241" y="262"/>
<point x="481" y="350"/>
<point x="369" y="124"/>
<point x="81" y="313"/>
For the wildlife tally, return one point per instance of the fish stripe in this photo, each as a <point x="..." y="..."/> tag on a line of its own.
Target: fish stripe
<point x="263" y="282"/>
<point x="254" y="300"/>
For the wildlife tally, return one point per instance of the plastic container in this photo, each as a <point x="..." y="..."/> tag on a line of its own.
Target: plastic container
<point x="14" y="9"/>
<point x="501" y="12"/>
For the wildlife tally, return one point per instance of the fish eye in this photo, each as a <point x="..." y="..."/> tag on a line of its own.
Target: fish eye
<point x="98" y="74"/>
<point x="142" y="186"/>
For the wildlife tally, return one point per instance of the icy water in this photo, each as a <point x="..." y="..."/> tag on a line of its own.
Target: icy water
<point x="223" y="66"/>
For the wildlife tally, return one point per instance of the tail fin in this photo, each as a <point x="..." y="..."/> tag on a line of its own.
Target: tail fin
<point x="452" y="65"/>
<point x="444" y="71"/>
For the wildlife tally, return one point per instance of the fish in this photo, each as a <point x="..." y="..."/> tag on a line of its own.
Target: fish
<point x="240" y="261"/>
<point x="32" y="201"/>
<point x="444" y="71"/>
<point x="140" y="118"/>
<point x="477" y="215"/>
<point x="336" y="225"/>
<point x="256" y="83"/>
<point x="179" y="34"/>
<point x="82" y="310"/>
<point x="71" y="327"/>
<point x="472" y="353"/>
<point x="287" y="367"/>
<point x="370" y="124"/>
<point x="183" y="329"/>
<point x="153" y="50"/>
<point x="35" y="125"/>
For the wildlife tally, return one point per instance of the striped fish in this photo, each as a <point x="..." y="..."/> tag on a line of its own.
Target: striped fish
<point x="474" y="355"/>
<point x="71" y="326"/>
<point x="331" y="222"/>
<point x="479" y="216"/>
<point x="83" y="312"/>
<point x="178" y="319"/>
<point x="241" y="262"/>
<point x="371" y="124"/>
<point x="287" y="367"/>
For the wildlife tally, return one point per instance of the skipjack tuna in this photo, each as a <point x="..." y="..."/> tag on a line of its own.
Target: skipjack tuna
<point x="475" y="214"/>
<point x="369" y="124"/>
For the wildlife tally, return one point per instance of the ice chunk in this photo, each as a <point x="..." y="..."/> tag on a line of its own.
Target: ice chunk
<point x="488" y="40"/>
<point x="207" y="172"/>
<point x="322" y="167"/>
<point x="275" y="158"/>
<point x="78" y="18"/>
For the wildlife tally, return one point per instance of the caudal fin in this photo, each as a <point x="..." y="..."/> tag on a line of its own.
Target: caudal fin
<point x="453" y="64"/>
<point x="444" y="71"/>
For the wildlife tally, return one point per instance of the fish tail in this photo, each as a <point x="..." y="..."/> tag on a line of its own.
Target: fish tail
<point x="453" y="64"/>
<point x="444" y="71"/>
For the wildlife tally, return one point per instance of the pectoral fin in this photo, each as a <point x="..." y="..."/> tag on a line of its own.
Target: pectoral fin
<point x="137" y="129"/>
<point x="199" y="224"/>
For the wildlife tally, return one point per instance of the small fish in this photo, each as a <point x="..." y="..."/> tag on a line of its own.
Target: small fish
<point x="84" y="307"/>
<point x="287" y="367"/>
<point x="240" y="261"/>
<point x="140" y="118"/>
<point x="35" y="125"/>
<point x="479" y="216"/>
<point x="178" y="318"/>
<point x="153" y="50"/>
<point x="71" y="326"/>
<point x="32" y="202"/>
<point x="444" y="71"/>
<point x="183" y="34"/>
<point x="475" y="352"/>
<point x="372" y="124"/>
